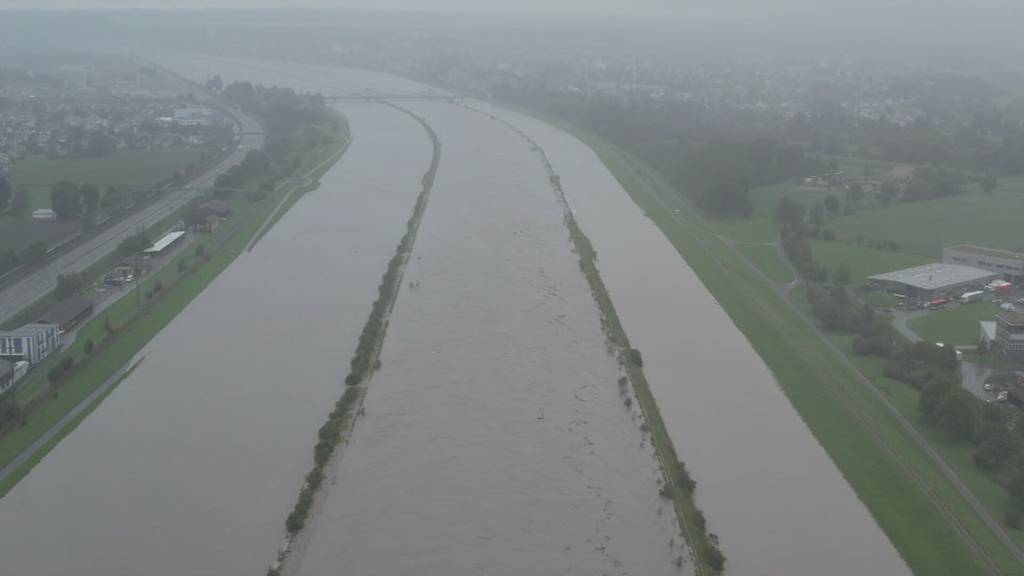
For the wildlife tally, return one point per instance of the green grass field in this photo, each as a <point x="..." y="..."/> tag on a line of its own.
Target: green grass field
<point x="924" y="228"/>
<point x="768" y="261"/>
<point x="890" y="474"/>
<point x="861" y="261"/>
<point x="919" y="228"/>
<point x="132" y="168"/>
<point x="137" y="326"/>
<point x="956" y="325"/>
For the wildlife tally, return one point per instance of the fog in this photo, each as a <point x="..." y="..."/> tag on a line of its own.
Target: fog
<point x="737" y="164"/>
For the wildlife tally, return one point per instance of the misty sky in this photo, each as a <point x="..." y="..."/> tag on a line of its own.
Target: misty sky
<point x="925" y="6"/>
<point x="419" y="5"/>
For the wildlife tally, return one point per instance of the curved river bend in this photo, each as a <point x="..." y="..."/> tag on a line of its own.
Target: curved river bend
<point x="494" y="438"/>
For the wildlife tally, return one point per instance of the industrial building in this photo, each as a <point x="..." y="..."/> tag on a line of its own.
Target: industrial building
<point x="168" y="240"/>
<point x="1009" y="339"/>
<point x="1009" y="265"/>
<point x="31" y="342"/>
<point x="67" y="313"/>
<point x="6" y="375"/>
<point x="933" y="280"/>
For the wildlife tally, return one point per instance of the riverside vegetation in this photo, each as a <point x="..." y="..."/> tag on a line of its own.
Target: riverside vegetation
<point x="365" y="360"/>
<point x="677" y="484"/>
<point x="111" y="339"/>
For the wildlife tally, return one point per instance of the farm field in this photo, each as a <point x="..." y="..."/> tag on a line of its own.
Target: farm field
<point x="132" y="168"/>
<point x="957" y="325"/>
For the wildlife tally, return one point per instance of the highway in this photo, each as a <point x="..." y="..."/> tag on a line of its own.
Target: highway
<point x="27" y="290"/>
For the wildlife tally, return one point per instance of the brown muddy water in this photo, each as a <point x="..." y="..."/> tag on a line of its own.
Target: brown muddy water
<point x="193" y="463"/>
<point x="495" y="439"/>
<point x="768" y="489"/>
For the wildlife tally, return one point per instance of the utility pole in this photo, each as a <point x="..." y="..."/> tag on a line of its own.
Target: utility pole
<point x="138" y="270"/>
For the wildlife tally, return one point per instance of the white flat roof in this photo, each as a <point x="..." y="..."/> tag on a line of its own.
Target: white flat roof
<point x="164" y="242"/>
<point x="935" y="276"/>
<point x="988" y="328"/>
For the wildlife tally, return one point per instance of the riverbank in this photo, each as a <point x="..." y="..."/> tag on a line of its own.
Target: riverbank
<point x="703" y="547"/>
<point x="120" y="332"/>
<point x="364" y="362"/>
<point x="930" y="524"/>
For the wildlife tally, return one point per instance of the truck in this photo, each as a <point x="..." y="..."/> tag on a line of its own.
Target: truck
<point x="998" y="285"/>
<point x="975" y="296"/>
<point x="938" y="303"/>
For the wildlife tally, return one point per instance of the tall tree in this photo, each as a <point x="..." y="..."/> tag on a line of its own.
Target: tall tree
<point x="90" y="199"/>
<point x="66" y="200"/>
<point x="6" y="191"/>
<point x="832" y="204"/>
<point x="989" y="183"/>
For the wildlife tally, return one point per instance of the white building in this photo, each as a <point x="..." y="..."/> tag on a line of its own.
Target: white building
<point x="1009" y="264"/>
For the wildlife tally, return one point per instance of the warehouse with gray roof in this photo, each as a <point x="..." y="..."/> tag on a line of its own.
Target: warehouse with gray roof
<point x="932" y="280"/>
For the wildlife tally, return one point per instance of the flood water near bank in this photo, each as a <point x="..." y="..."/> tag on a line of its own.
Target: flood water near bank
<point x="193" y="463"/>
<point x="768" y="489"/>
<point x="494" y="438"/>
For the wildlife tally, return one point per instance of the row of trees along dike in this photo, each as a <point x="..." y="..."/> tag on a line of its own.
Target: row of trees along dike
<point x="994" y="430"/>
<point x="365" y="360"/>
<point x="676" y="484"/>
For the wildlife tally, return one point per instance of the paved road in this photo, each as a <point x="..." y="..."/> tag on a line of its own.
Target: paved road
<point x="901" y="322"/>
<point x="30" y="288"/>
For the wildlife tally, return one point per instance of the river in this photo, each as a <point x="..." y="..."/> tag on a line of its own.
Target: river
<point x="192" y="464"/>
<point x="494" y="438"/>
<point x="768" y="489"/>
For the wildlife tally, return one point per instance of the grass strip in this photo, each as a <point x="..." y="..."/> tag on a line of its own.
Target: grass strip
<point x="928" y="522"/>
<point x="132" y="326"/>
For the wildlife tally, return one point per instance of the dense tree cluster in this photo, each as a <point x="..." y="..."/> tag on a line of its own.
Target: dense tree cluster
<point x="10" y="259"/>
<point x="294" y="122"/>
<point x="134" y="244"/>
<point x="713" y="154"/>
<point x="255" y="165"/>
<point x="6" y="192"/>
<point x="69" y="284"/>
<point x="71" y="201"/>
<point x="928" y="183"/>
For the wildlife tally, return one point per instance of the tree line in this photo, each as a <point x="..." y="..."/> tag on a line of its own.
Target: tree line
<point x="994" y="430"/>
<point x="713" y="154"/>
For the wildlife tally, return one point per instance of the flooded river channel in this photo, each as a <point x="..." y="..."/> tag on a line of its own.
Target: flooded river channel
<point x="193" y="463"/>
<point x="768" y="489"/>
<point x="494" y="438"/>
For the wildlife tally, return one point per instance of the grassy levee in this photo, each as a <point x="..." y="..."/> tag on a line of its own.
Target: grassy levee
<point x="7" y="483"/>
<point x="181" y="280"/>
<point x="766" y="258"/>
<point x="928" y="521"/>
<point x="365" y="360"/>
